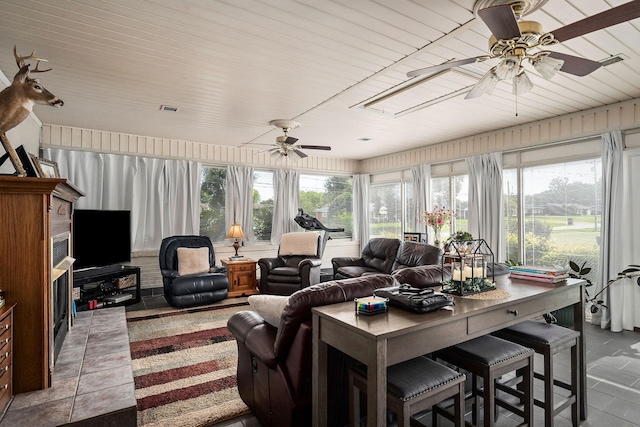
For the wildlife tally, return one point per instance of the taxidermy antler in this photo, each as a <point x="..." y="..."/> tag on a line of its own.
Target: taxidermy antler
<point x="17" y="100"/>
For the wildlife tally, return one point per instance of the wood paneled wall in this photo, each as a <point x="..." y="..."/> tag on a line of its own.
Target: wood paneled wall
<point x="118" y="143"/>
<point x="620" y="116"/>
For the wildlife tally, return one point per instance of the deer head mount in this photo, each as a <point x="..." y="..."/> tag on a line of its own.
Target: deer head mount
<point x="18" y="99"/>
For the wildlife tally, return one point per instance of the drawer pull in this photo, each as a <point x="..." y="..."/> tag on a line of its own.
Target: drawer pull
<point x="514" y="312"/>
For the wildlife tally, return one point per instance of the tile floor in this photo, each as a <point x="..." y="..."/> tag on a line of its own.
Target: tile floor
<point x="613" y="380"/>
<point x="92" y="382"/>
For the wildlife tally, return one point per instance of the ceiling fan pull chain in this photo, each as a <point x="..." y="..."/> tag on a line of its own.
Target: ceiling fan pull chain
<point x="516" y="104"/>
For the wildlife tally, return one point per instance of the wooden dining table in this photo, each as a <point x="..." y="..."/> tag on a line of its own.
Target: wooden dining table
<point x="384" y="339"/>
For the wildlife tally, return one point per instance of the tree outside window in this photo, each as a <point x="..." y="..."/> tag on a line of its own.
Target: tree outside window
<point x="213" y="184"/>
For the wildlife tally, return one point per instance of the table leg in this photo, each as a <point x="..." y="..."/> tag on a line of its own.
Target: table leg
<point x="319" y="377"/>
<point x="578" y="322"/>
<point x="377" y="387"/>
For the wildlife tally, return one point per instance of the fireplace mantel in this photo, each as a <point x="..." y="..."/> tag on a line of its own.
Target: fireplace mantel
<point x="34" y="212"/>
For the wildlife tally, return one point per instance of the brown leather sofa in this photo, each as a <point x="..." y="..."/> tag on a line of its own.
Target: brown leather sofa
<point x="382" y="255"/>
<point x="378" y="256"/>
<point x="274" y="364"/>
<point x="412" y="254"/>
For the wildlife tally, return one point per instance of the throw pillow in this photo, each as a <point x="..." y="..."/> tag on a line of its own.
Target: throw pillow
<point x="193" y="260"/>
<point x="270" y="307"/>
<point x="299" y="243"/>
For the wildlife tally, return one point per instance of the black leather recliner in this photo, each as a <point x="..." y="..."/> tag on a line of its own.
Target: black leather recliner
<point x="296" y="267"/>
<point x="191" y="289"/>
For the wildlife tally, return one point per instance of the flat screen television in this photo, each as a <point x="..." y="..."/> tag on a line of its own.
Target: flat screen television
<point x="101" y="237"/>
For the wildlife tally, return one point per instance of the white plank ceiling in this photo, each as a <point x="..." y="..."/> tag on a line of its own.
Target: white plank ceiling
<point x="232" y="66"/>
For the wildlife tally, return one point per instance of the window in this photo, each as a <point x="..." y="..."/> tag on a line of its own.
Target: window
<point x="385" y="210"/>
<point x="461" y="202"/>
<point x="562" y="205"/>
<point x="213" y="184"/>
<point x="409" y="209"/>
<point x="329" y="200"/>
<point x="262" y="204"/>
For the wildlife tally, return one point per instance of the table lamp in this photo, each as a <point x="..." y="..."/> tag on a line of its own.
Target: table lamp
<point x="235" y="232"/>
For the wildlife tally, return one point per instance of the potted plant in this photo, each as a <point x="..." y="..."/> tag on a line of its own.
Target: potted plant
<point x="564" y="316"/>
<point x="458" y="236"/>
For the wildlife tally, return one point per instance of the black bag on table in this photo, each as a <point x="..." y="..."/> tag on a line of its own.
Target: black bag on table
<point x="414" y="299"/>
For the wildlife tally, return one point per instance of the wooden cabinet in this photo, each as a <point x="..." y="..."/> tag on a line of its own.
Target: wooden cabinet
<point x="35" y="216"/>
<point x="242" y="277"/>
<point x="6" y="356"/>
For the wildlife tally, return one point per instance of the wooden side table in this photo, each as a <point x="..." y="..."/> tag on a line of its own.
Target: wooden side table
<point x="242" y="277"/>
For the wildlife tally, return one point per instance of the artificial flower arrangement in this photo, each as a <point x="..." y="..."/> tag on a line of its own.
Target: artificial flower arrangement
<point x="436" y="219"/>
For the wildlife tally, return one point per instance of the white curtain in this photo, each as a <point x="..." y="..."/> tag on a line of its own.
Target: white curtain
<point x="614" y="241"/>
<point x="421" y="192"/>
<point x="361" y="208"/>
<point x="163" y="195"/>
<point x="485" y="201"/>
<point x="239" y="199"/>
<point x="286" y="200"/>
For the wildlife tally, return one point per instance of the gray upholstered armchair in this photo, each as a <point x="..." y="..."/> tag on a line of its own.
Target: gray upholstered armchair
<point x="296" y="266"/>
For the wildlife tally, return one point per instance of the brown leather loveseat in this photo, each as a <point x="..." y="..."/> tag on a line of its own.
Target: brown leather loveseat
<point x="274" y="363"/>
<point x="383" y="255"/>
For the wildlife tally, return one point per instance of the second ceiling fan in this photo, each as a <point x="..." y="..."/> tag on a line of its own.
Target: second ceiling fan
<point x="285" y="146"/>
<point x="513" y="41"/>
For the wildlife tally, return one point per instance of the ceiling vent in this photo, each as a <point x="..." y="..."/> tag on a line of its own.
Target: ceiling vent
<point x="613" y="59"/>
<point x="169" y="108"/>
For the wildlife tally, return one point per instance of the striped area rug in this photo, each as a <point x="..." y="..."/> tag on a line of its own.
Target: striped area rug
<point x="184" y="365"/>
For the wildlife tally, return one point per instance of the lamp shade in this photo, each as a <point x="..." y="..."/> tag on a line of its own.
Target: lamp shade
<point x="486" y="85"/>
<point x="508" y="68"/>
<point x="547" y="66"/>
<point x="521" y="84"/>
<point x="235" y="232"/>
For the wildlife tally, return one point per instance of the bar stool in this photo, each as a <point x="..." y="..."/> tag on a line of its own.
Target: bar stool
<point x="412" y="386"/>
<point x="549" y="340"/>
<point x="491" y="357"/>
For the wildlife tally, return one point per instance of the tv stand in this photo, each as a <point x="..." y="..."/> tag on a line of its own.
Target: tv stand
<point x="109" y="286"/>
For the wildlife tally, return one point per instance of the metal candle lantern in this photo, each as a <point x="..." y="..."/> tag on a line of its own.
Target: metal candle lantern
<point x="467" y="263"/>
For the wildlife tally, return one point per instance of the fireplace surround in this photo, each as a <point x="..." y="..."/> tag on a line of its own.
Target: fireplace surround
<point x="36" y="214"/>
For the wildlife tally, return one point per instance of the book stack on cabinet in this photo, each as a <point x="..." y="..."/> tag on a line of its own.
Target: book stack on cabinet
<point x="539" y="274"/>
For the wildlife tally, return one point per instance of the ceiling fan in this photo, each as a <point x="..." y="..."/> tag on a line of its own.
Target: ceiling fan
<point x="285" y="145"/>
<point x="513" y="41"/>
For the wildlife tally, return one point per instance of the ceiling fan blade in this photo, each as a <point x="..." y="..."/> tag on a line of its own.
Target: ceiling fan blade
<point x="474" y="93"/>
<point x="617" y="15"/>
<point x="442" y="67"/>
<point x="315" y="147"/>
<point x="575" y="65"/>
<point x="290" y="140"/>
<point x="501" y="21"/>
<point x="300" y="153"/>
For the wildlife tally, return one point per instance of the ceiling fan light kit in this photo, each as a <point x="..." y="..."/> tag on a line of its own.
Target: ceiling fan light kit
<point x="486" y="84"/>
<point x="521" y="84"/>
<point x="514" y="40"/>
<point x="508" y="68"/>
<point x="285" y="145"/>
<point x="547" y="66"/>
